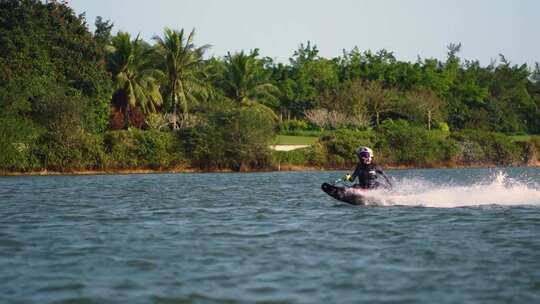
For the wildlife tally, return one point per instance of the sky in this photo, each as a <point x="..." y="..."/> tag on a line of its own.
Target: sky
<point x="408" y="28"/>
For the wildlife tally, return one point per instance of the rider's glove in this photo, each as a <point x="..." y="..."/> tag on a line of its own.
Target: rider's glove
<point x="347" y="177"/>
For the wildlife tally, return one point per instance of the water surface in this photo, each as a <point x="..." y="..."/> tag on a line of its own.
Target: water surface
<point x="270" y="238"/>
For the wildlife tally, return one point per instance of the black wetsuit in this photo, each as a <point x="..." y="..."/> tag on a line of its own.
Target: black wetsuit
<point x="367" y="175"/>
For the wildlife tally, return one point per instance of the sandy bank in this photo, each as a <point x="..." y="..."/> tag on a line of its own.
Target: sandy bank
<point x="283" y="167"/>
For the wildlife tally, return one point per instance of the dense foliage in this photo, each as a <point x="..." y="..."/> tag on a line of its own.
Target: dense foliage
<point x="231" y="137"/>
<point x="65" y="92"/>
<point x="53" y="83"/>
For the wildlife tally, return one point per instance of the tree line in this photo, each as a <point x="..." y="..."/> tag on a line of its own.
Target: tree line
<point x="72" y="98"/>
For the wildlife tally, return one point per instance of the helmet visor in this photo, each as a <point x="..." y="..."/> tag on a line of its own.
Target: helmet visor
<point x="365" y="155"/>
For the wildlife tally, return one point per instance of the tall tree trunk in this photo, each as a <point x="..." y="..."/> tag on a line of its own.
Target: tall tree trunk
<point x="126" y="117"/>
<point x="429" y="120"/>
<point x="174" y="122"/>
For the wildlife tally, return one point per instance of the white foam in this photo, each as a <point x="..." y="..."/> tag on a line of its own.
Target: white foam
<point x="499" y="190"/>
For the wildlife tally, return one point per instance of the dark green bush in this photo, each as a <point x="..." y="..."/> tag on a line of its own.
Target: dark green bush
<point x="67" y="143"/>
<point x="291" y="125"/>
<point x="248" y="137"/>
<point x="317" y="155"/>
<point x="534" y="154"/>
<point x="530" y="152"/>
<point x="471" y="152"/>
<point x="17" y="142"/>
<point x="48" y="50"/>
<point x="204" y="146"/>
<point x="444" y="149"/>
<point x="402" y="143"/>
<point x="496" y="148"/>
<point x="313" y="133"/>
<point x="232" y="137"/>
<point x="138" y="148"/>
<point x="296" y="157"/>
<point x="338" y="148"/>
<point x="74" y="150"/>
<point x="535" y="141"/>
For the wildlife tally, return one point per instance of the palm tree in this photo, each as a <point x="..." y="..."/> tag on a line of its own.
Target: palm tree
<point x="183" y="63"/>
<point x="135" y="82"/>
<point x="246" y="83"/>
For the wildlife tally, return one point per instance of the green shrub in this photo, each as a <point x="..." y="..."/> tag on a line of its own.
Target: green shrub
<point x="340" y="146"/>
<point x="443" y="126"/>
<point x="307" y="133"/>
<point x="534" y="154"/>
<point x="496" y="148"/>
<point x="204" y="146"/>
<point x="140" y="149"/>
<point x="49" y="51"/>
<point x="530" y="151"/>
<point x="67" y="144"/>
<point x="17" y="142"/>
<point x="413" y="145"/>
<point x="297" y="157"/>
<point x="472" y="152"/>
<point x="444" y="149"/>
<point x="74" y="150"/>
<point x="535" y="141"/>
<point x="291" y="125"/>
<point x="232" y="137"/>
<point x="248" y="138"/>
<point x="402" y="143"/>
<point x="317" y="155"/>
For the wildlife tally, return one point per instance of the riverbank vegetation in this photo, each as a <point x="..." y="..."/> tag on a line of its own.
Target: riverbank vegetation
<point x="72" y="99"/>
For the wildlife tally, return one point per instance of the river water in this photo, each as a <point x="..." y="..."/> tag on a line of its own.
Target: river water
<point x="442" y="236"/>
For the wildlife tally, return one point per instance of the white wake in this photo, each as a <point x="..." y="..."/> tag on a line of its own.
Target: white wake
<point x="498" y="190"/>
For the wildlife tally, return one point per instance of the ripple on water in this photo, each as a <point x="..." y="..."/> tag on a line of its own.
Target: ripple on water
<point x="192" y="298"/>
<point x="55" y="287"/>
<point x="10" y="244"/>
<point x="143" y="265"/>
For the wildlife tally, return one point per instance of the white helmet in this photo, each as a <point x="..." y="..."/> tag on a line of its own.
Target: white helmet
<point x="365" y="154"/>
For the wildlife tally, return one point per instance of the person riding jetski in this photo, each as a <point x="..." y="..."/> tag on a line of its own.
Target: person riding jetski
<point x="366" y="171"/>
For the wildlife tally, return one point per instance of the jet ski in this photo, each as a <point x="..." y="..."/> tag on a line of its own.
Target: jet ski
<point x="350" y="194"/>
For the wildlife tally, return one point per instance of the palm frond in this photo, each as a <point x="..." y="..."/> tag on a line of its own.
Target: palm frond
<point x="260" y="108"/>
<point x="182" y="61"/>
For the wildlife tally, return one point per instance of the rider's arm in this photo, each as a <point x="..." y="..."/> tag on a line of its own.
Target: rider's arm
<point x="356" y="173"/>
<point x="350" y="178"/>
<point x="379" y="170"/>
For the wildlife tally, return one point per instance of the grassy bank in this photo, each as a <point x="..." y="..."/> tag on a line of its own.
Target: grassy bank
<point x="295" y="140"/>
<point x="396" y="145"/>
